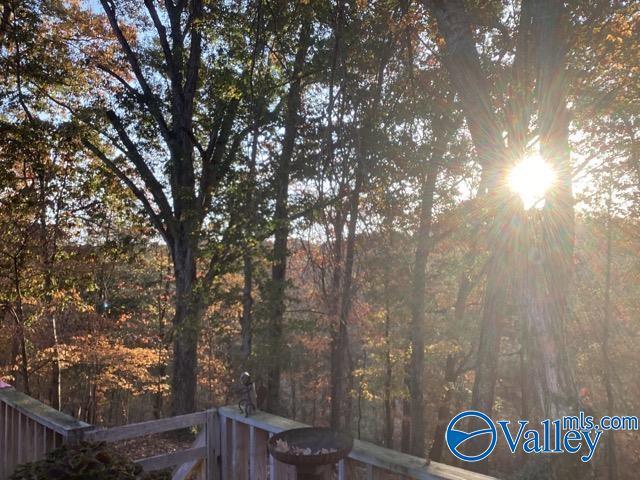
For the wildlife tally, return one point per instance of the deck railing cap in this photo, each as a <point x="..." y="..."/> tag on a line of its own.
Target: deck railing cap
<point x="41" y="413"/>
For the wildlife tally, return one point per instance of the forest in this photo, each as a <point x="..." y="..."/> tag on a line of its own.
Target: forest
<point x="387" y="212"/>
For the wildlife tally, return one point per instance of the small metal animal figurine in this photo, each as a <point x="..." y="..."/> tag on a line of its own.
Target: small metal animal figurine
<point x="247" y="403"/>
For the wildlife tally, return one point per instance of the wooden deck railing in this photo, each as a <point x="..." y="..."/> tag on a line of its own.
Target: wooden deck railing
<point x="29" y="429"/>
<point x="201" y="457"/>
<point x="229" y="446"/>
<point x="244" y="455"/>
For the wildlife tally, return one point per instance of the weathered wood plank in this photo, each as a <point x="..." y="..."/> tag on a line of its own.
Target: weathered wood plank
<point x="409" y="465"/>
<point x="19" y="440"/>
<point x="262" y="455"/>
<point x="141" y="429"/>
<point x="3" y="443"/>
<point x="240" y="451"/>
<point x="262" y="420"/>
<point x="342" y="470"/>
<point x="234" y="449"/>
<point x="258" y="454"/>
<point x="184" y="471"/>
<point x="252" y="453"/>
<point x="45" y="443"/>
<point x="12" y="444"/>
<point x="160" y="462"/>
<point x="225" y="447"/>
<point x="213" y="445"/>
<point x="41" y="413"/>
<point x="272" y="462"/>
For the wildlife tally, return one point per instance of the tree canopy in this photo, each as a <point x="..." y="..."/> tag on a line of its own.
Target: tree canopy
<point x="322" y="193"/>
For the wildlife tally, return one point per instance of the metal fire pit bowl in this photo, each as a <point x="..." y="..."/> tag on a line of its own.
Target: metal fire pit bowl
<point x="314" y="466"/>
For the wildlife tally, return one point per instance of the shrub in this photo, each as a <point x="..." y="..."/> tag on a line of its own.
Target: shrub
<point x="94" y="461"/>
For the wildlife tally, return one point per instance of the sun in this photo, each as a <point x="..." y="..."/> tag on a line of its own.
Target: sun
<point x="530" y="179"/>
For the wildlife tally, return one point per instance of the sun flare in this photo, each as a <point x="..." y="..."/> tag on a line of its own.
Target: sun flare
<point x="530" y="179"/>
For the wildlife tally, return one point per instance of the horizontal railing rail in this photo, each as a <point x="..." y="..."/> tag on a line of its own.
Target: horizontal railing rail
<point x="200" y="459"/>
<point x="134" y="430"/>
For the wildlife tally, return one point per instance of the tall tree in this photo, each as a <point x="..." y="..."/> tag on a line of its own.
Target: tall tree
<point x="462" y="61"/>
<point x="548" y="317"/>
<point x="463" y="65"/>
<point x="277" y="288"/>
<point x="190" y="108"/>
<point x="423" y="242"/>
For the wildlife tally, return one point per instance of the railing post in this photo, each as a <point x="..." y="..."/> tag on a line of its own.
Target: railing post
<point x="342" y="469"/>
<point x="20" y="437"/>
<point x="3" y="443"/>
<point x="272" y="463"/>
<point x="252" y="452"/>
<point x="224" y="447"/>
<point x="239" y="454"/>
<point x="369" y="471"/>
<point x="258" y="454"/>
<point x="213" y="446"/>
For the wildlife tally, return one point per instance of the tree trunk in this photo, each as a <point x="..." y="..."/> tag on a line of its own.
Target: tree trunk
<point x="388" y="365"/>
<point x="551" y="314"/>
<point x="418" y="302"/>
<point x="363" y="370"/>
<point x="55" y="394"/>
<point x="180" y="216"/>
<point x="246" y="323"/>
<point x="18" y="314"/>
<point x="463" y="64"/>
<point x="405" y="438"/>
<point x="612" y="465"/>
<point x="486" y="370"/>
<point x="280" y="252"/>
<point x="294" y="401"/>
<point x="158" y="400"/>
<point x="550" y="279"/>
<point x="48" y="250"/>
<point x="341" y="362"/>
<point x="24" y="359"/>
<point x="444" y="411"/>
<point x="186" y="324"/>
<point x="341" y="368"/>
<point x="497" y="292"/>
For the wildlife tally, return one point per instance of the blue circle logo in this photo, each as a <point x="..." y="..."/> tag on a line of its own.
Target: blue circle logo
<point x="456" y="438"/>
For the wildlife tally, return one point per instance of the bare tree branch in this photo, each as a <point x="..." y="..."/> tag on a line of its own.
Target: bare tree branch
<point x="156" y="219"/>
<point x="149" y="97"/>
<point x="213" y="169"/>
<point x="147" y="175"/>
<point x="195" y="51"/>
<point x="162" y="35"/>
